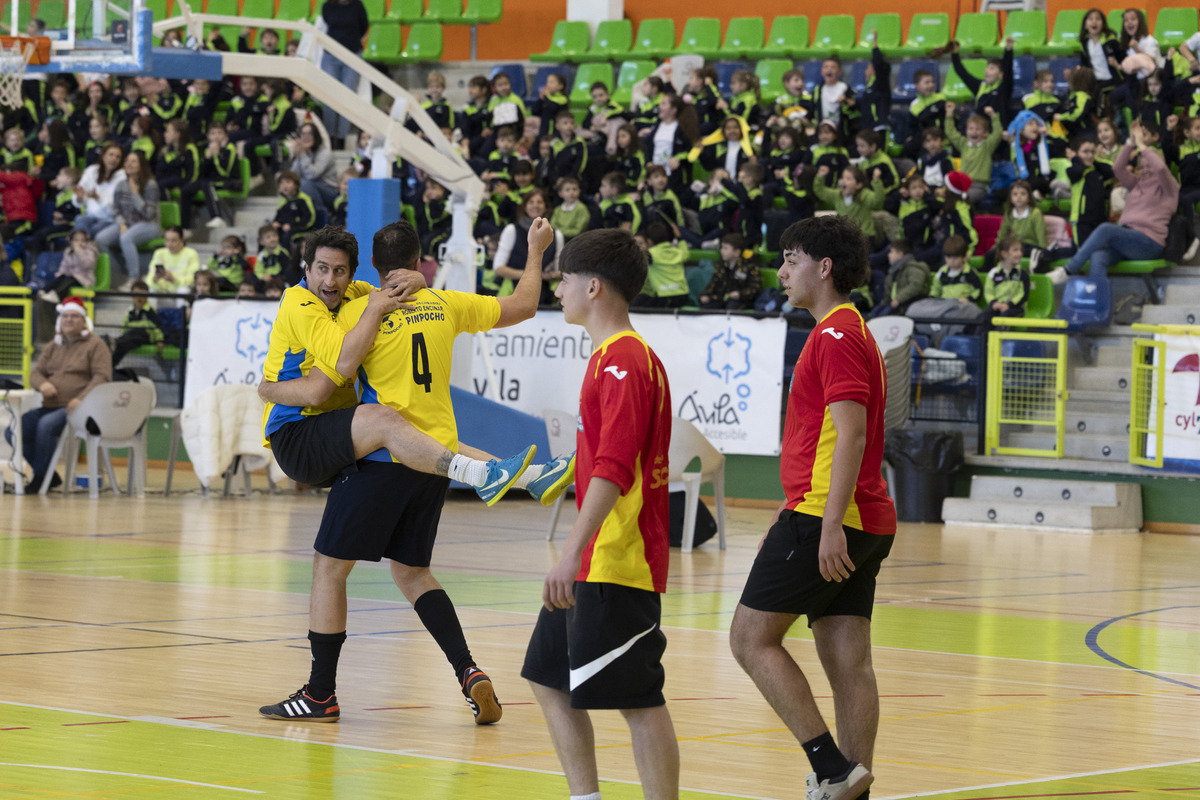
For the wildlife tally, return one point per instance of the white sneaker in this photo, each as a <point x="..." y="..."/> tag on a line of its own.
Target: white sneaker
<point x="1191" y="251"/>
<point x="1058" y="276"/>
<point x="50" y="297"/>
<point x="1034" y="258"/>
<point x="215" y="222"/>
<point x="853" y="784"/>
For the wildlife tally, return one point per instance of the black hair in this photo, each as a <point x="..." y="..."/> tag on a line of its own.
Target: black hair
<point x="336" y="237"/>
<point x="901" y="245"/>
<point x="837" y="238"/>
<point x="616" y="180"/>
<point x="396" y="246"/>
<point x="1104" y="29"/>
<point x="954" y="247"/>
<point x="522" y="167"/>
<point x="608" y="254"/>
<point x="656" y="232"/>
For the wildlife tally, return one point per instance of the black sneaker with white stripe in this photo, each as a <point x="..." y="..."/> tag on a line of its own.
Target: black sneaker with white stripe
<point x="303" y="706"/>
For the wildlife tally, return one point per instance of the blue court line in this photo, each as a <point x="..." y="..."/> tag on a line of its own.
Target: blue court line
<point x="1063" y="594"/>
<point x="1093" y="636"/>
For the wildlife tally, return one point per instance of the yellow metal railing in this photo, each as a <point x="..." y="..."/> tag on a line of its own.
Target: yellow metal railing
<point x="1147" y="392"/>
<point x="1026" y="389"/>
<point x="16" y="332"/>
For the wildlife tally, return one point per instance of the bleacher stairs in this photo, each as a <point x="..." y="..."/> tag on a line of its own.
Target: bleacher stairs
<point x="1048" y="504"/>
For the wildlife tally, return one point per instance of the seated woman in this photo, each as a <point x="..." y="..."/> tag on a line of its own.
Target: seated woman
<point x="513" y="250"/>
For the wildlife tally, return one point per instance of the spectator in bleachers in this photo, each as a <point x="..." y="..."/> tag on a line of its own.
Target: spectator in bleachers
<point x="62" y="220"/>
<point x="924" y="112"/>
<point x="658" y="201"/>
<point x="1135" y="40"/>
<point x="267" y="43"/>
<point x="907" y="280"/>
<point x="976" y="149"/>
<point x="552" y="100"/>
<point x="569" y="153"/>
<point x="204" y="284"/>
<point x="617" y="208"/>
<point x="737" y="279"/>
<point x="572" y="216"/>
<point x="1154" y="103"/>
<point x="916" y="214"/>
<point x="98" y="139"/>
<point x="956" y="280"/>
<point x="159" y="101"/>
<point x="1041" y="100"/>
<point x="748" y="190"/>
<point x="954" y="216"/>
<point x="1030" y="151"/>
<point x="1186" y="150"/>
<point x="794" y="105"/>
<point x="934" y="162"/>
<point x="144" y="138"/>
<point x="995" y="90"/>
<point x="77" y="269"/>
<point x="435" y="104"/>
<point x="877" y="166"/>
<point x="200" y="105"/>
<point x="173" y="266"/>
<point x="717" y="206"/>
<point x="854" y="197"/>
<point x="337" y="214"/>
<point x="512" y="253"/>
<point x="1006" y="288"/>
<point x="140" y="327"/>
<point x="273" y="288"/>
<point x="522" y="176"/>
<point x="58" y="104"/>
<point x="1142" y="230"/>
<point x="12" y="269"/>
<point x="273" y="260"/>
<point x="217" y="171"/>
<point x="126" y="106"/>
<point x="273" y="127"/>
<point x="248" y="288"/>
<point x="433" y="217"/>
<point x="746" y="99"/>
<point x="829" y="152"/>
<point x="229" y="265"/>
<point x="501" y="159"/>
<point x="95" y="190"/>
<point x="296" y="214"/>
<point x="313" y="162"/>
<point x="781" y="160"/>
<point x="666" y="282"/>
<point x="135" y="215"/>
<point x="17" y="204"/>
<point x="474" y="122"/>
<point x="594" y="128"/>
<point x="703" y="97"/>
<point x="830" y="100"/>
<point x="1108" y="143"/>
<point x="93" y="102"/>
<point x="874" y="104"/>
<point x="56" y="149"/>
<point x="1023" y="220"/>
<point x="727" y="149"/>
<point x="244" y="117"/>
<point x="346" y="22"/>
<point x="504" y="106"/>
<point x="629" y="159"/>
<point x="16" y="156"/>
<point x="1077" y="110"/>
<point x="1099" y="50"/>
<point x="645" y="115"/>
<point x="1090" y="182"/>
<point x="178" y="162"/>
<point x="670" y="142"/>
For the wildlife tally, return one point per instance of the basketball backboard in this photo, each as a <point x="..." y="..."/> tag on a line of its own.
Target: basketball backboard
<point x="109" y="36"/>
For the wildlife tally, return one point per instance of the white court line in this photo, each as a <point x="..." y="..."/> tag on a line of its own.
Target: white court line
<point x="1043" y="780"/>
<point x="130" y="775"/>
<point x="405" y="753"/>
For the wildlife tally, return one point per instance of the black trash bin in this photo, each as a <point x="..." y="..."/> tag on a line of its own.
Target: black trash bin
<point x="925" y="464"/>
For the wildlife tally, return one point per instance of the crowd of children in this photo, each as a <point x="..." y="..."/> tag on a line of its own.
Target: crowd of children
<point x="687" y="170"/>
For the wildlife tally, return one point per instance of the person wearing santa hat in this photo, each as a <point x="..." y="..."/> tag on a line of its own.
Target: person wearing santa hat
<point x="69" y="367"/>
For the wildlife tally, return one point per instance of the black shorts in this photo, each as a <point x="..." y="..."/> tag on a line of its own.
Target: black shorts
<point x="605" y="651"/>
<point x="382" y="510"/>
<point x="786" y="576"/>
<point x="315" y="449"/>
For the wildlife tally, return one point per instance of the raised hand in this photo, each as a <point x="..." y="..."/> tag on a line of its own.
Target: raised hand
<point x="541" y="235"/>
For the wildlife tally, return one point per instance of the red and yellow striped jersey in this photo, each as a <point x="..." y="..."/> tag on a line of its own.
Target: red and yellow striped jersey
<point x="624" y="437"/>
<point x="840" y="361"/>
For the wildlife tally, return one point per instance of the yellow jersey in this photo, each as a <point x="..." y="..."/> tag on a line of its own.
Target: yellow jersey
<point x="306" y="334"/>
<point x="408" y="366"/>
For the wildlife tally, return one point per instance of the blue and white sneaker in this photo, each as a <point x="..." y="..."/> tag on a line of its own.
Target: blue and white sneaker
<point x="557" y="475"/>
<point x="502" y="475"/>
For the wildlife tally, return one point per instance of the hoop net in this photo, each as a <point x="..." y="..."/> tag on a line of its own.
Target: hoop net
<point x="12" y="72"/>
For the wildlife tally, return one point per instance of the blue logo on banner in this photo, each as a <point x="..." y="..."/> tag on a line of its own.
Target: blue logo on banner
<point x="729" y="355"/>
<point x="253" y="337"/>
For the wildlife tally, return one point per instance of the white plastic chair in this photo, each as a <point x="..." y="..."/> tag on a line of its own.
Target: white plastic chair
<point x="560" y="430"/>
<point x="687" y="443"/>
<point x="118" y="411"/>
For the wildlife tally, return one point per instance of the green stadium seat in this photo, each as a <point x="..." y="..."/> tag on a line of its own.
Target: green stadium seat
<point x="629" y="73"/>
<point x="612" y="41"/>
<point x="977" y="30"/>
<point x="655" y="39"/>
<point x="243" y="168"/>
<point x="955" y="90"/>
<point x="789" y="36"/>
<point x="168" y="215"/>
<point x="1027" y="29"/>
<point x="585" y="76"/>
<point x="447" y="12"/>
<point x="1138" y="267"/>
<point x="103" y="273"/>
<point x="1040" y="304"/>
<point x="294" y="10"/>
<point x="568" y="43"/>
<point x="925" y="32"/>
<point x="701" y="36"/>
<point x="259" y="9"/>
<point x="1064" y="39"/>
<point x="424" y="43"/>
<point x="770" y="73"/>
<point x="406" y="11"/>
<point x="887" y="26"/>
<point x="1172" y="27"/>
<point x="53" y="13"/>
<point x="743" y="38"/>
<point x="834" y="34"/>
<point x="383" y="43"/>
<point x="481" y="12"/>
<point x="376" y="10"/>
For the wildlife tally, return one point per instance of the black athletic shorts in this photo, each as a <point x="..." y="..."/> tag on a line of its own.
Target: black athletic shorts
<point x="605" y="651"/>
<point x="382" y="510"/>
<point x="786" y="576"/>
<point x="315" y="449"/>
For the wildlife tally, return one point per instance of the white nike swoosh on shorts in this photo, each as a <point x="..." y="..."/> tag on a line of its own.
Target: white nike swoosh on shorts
<point x="589" y="670"/>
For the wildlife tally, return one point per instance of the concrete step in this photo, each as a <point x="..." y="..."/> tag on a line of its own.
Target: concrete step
<point x="1093" y="446"/>
<point x="1099" y="378"/>
<point x="1114" y="356"/>
<point x="1171" y="315"/>
<point x="1095" y="422"/>
<point x="1183" y="294"/>
<point x="1110" y="396"/>
<point x="1086" y="506"/>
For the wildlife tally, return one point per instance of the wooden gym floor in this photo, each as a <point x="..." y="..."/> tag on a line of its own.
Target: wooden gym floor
<point x="139" y="637"/>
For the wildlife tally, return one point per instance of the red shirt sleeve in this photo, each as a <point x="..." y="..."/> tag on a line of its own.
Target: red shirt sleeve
<point x="842" y="361"/>
<point x="624" y="391"/>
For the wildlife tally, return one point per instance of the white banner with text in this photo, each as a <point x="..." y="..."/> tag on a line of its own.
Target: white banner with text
<point x="227" y="343"/>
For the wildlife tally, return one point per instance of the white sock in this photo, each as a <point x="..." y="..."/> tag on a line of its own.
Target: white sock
<point x="592" y="796"/>
<point x="531" y="472"/>
<point x="467" y="470"/>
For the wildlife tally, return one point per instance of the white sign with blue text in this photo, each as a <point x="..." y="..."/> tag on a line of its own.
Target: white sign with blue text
<point x="228" y="343"/>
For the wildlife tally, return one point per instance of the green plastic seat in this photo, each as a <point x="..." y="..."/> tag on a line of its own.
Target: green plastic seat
<point x="789" y="36"/>
<point x="383" y="42"/>
<point x="406" y="11"/>
<point x="628" y="75"/>
<point x="976" y="31"/>
<point x="168" y="215"/>
<point x="1027" y="29"/>
<point x="886" y="26"/>
<point x="243" y="170"/>
<point x="53" y="13"/>
<point x="1138" y="267"/>
<point x="376" y="10"/>
<point x="925" y="32"/>
<point x="1040" y="304"/>
<point x="293" y="10"/>
<point x="424" y="43"/>
<point x="955" y="90"/>
<point x="834" y="35"/>
<point x="770" y="73"/>
<point x="481" y="12"/>
<point x="612" y="41"/>
<point x="655" y="39"/>
<point x="701" y="36"/>
<point x="103" y="273"/>
<point x="1064" y="39"/>
<point x="743" y="38"/>
<point x="585" y="76"/>
<point x="568" y="43"/>
<point x="1172" y="27"/>
<point x="447" y="12"/>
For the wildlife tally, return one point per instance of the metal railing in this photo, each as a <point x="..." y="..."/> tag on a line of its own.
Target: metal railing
<point x="16" y="333"/>
<point x="1026" y="389"/>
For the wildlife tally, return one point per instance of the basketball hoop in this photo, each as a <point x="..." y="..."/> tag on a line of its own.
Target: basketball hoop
<point x="14" y="57"/>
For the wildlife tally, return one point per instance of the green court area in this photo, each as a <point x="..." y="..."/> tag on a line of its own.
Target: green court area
<point x="1168" y="781"/>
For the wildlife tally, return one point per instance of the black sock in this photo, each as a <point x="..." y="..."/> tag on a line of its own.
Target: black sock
<point x="827" y="761"/>
<point x="440" y="619"/>
<point x="326" y="647"/>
